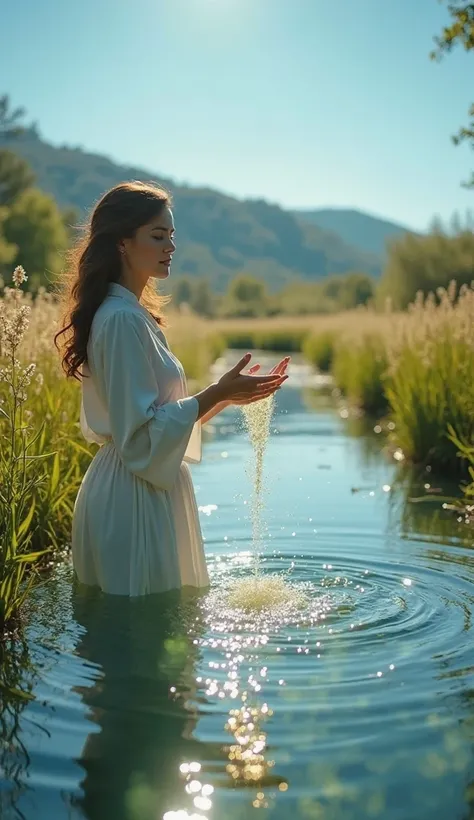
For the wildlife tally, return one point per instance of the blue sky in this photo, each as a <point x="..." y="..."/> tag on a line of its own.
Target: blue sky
<point x="307" y="103"/>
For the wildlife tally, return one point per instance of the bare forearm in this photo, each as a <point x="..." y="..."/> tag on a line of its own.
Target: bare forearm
<point x="214" y="411"/>
<point x="209" y="401"/>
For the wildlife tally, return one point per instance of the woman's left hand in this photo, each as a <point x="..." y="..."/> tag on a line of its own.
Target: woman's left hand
<point x="280" y="369"/>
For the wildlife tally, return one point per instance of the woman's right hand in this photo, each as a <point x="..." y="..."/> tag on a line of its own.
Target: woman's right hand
<point x="234" y="386"/>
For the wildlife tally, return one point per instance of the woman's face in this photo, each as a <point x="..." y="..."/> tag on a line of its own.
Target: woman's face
<point x="149" y="252"/>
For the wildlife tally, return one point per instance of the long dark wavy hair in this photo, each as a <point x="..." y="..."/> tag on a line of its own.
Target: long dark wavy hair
<point x="95" y="261"/>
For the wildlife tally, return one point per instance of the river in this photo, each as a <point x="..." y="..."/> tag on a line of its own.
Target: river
<point x="360" y="705"/>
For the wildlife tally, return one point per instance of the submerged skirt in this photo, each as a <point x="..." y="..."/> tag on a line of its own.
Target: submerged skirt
<point x="130" y="538"/>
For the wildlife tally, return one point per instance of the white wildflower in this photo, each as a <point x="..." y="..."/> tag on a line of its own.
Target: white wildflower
<point x="13" y="329"/>
<point x="19" y="276"/>
<point x="26" y="376"/>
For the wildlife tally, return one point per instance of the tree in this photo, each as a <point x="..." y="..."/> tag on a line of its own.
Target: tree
<point x="9" y="120"/>
<point x="182" y="291"/>
<point x="460" y="32"/>
<point x="15" y="177"/>
<point x="346" y="291"/>
<point x="202" y="301"/>
<point x="15" y="174"/>
<point x="425" y="263"/>
<point x="7" y="249"/>
<point x="36" y="226"/>
<point x="357" y="289"/>
<point x="246" y="296"/>
<point x="70" y="217"/>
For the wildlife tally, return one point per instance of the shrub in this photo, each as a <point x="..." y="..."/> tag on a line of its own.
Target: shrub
<point x="318" y="348"/>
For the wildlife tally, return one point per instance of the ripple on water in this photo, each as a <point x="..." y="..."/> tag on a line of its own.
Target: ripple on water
<point x="347" y="697"/>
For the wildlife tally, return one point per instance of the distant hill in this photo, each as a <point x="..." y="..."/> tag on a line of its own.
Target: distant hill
<point x="218" y="235"/>
<point x="368" y="233"/>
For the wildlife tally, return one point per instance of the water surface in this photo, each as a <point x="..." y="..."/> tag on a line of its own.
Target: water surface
<point x="358" y="706"/>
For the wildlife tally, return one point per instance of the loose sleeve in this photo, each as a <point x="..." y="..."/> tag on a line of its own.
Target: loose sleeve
<point x="151" y="437"/>
<point x="193" y="452"/>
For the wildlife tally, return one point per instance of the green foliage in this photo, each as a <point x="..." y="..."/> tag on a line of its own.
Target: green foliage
<point x="55" y="402"/>
<point x="21" y="471"/>
<point x="318" y="348"/>
<point x="182" y="291"/>
<point x="428" y="391"/>
<point x="426" y="263"/>
<point x="197" y="355"/>
<point x="360" y="369"/>
<point x="280" y="341"/>
<point x="35" y="225"/>
<point x="70" y="219"/>
<point x="15" y="177"/>
<point x="194" y="292"/>
<point x="329" y="295"/>
<point x="349" y="291"/>
<point x="7" y="249"/>
<point x="460" y="32"/>
<point x="466" y="452"/>
<point x="302" y="299"/>
<point x="240" y="339"/>
<point x="247" y="297"/>
<point x="10" y="121"/>
<point x="420" y="369"/>
<point x="203" y="299"/>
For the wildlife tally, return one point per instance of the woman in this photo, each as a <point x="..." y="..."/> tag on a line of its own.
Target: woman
<point x="136" y="527"/>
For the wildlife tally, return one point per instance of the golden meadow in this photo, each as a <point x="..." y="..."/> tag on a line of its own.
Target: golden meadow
<point x="416" y="369"/>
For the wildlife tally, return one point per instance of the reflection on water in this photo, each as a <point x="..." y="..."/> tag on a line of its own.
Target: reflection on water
<point x="143" y="702"/>
<point x="358" y="703"/>
<point x="17" y="677"/>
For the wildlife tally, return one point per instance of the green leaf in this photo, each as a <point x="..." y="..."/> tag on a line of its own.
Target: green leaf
<point x="55" y="474"/>
<point x="41" y="457"/>
<point x="30" y="557"/>
<point x="79" y="447"/>
<point x="17" y="693"/>
<point x="27" y="521"/>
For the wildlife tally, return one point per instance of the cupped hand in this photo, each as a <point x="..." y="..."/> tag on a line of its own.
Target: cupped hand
<point x="279" y="368"/>
<point x="279" y="371"/>
<point x="243" y="388"/>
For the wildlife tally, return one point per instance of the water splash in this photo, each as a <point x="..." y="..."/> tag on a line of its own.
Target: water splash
<point x="261" y="592"/>
<point x="264" y="592"/>
<point x="257" y="420"/>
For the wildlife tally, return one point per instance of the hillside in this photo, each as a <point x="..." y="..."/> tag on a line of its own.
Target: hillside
<point x="368" y="233"/>
<point x="218" y="235"/>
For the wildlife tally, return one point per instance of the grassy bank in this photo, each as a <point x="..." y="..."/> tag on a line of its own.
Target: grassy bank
<point x="418" y="367"/>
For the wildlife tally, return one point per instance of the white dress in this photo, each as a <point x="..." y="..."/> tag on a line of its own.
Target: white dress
<point x="136" y="525"/>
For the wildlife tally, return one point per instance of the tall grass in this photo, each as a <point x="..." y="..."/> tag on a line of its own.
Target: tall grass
<point x="359" y="368"/>
<point x="465" y="451"/>
<point x="416" y="366"/>
<point x="21" y="469"/>
<point x="318" y="348"/>
<point x="430" y="379"/>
